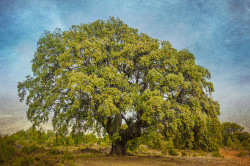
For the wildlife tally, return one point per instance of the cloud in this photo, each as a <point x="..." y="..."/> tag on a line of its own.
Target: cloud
<point x="236" y="109"/>
<point x="12" y="114"/>
<point x="216" y="32"/>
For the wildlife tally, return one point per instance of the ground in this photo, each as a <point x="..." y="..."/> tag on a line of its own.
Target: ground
<point x="233" y="156"/>
<point x="230" y="159"/>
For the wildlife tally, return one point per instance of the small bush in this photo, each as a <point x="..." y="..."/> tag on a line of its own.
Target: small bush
<point x="216" y="154"/>
<point x="143" y="148"/>
<point x="243" y="153"/>
<point x="90" y="139"/>
<point x="133" y="144"/>
<point x="170" y="144"/>
<point x="7" y="148"/>
<point x="26" y="161"/>
<point x="30" y="148"/>
<point x="172" y="152"/>
<point x="54" y="151"/>
<point x="49" y="143"/>
<point x="67" y="156"/>
<point x="246" y="144"/>
<point x="103" y="144"/>
<point x="47" y="160"/>
<point x="164" y="151"/>
<point x="183" y="153"/>
<point x="201" y="153"/>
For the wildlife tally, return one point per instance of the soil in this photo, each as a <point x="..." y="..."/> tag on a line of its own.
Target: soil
<point x="230" y="159"/>
<point x="233" y="155"/>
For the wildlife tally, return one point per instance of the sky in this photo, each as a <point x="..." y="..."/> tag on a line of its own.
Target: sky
<point x="216" y="32"/>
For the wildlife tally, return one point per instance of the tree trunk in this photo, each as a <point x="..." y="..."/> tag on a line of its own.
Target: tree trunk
<point x="119" y="148"/>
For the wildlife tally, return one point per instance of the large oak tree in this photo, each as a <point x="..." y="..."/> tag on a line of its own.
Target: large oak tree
<point x="106" y="76"/>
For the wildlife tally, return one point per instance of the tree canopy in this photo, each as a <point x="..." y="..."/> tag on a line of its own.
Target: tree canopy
<point x="108" y="77"/>
<point x="234" y="135"/>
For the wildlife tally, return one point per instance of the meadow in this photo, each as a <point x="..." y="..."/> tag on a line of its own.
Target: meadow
<point x="37" y="147"/>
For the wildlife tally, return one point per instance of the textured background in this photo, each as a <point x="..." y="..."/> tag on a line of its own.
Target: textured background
<point x="216" y="32"/>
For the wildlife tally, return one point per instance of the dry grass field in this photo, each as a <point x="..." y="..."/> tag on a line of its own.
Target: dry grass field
<point x="230" y="159"/>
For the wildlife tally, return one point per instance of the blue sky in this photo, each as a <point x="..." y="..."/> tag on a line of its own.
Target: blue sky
<point x="216" y="32"/>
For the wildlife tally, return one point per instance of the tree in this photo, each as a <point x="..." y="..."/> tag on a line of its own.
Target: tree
<point x="229" y="142"/>
<point x="108" y="77"/>
<point x="234" y="133"/>
<point x="229" y="129"/>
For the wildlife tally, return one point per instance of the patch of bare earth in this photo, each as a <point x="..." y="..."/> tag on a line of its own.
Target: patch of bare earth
<point x="233" y="155"/>
<point x="103" y="160"/>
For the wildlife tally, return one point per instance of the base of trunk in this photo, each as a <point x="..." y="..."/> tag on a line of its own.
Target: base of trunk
<point x="119" y="148"/>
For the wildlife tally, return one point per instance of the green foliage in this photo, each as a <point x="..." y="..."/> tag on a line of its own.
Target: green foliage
<point x="104" y="141"/>
<point x="134" y="144"/>
<point x="90" y="139"/>
<point x="30" y="148"/>
<point x="216" y="154"/>
<point x="7" y="148"/>
<point x="54" y="151"/>
<point x="25" y="148"/>
<point x="172" y="152"/>
<point x="108" y="77"/>
<point x="229" y="142"/>
<point x="142" y="149"/>
<point x="229" y="127"/>
<point x="241" y="136"/>
<point x="243" y="153"/>
<point x="27" y="161"/>
<point x="67" y="156"/>
<point x="234" y="136"/>
<point x="20" y="136"/>
<point x="228" y="130"/>
<point x="246" y="144"/>
<point x="31" y="135"/>
<point x="153" y="139"/>
<point x="184" y="154"/>
<point x="170" y="144"/>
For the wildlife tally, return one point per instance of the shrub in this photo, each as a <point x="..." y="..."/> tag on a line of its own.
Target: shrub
<point x="229" y="142"/>
<point x="243" y="153"/>
<point x="143" y="148"/>
<point x="103" y="144"/>
<point x="133" y="144"/>
<point x="26" y="161"/>
<point x="246" y="144"/>
<point x="70" y="141"/>
<point x="201" y="153"/>
<point x="90" y="139"/>
<point x="183" y="153"/>
<point x="67" y="156"/>
<point x="170" y="144"/>
<point x="54" y="151"/>
<point x="172" y="152"/>
<point x="30" y="148"/>
<point x="20" y="136"/>
<point x="7" y="148"/>
<point x="105" y="141"/>
<point x="216" y="154"/>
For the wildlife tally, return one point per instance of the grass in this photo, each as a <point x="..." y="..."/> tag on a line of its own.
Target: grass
<point x="243" y="153"/>
<point x="38" y="155"/>
<point x="23" y="152"/>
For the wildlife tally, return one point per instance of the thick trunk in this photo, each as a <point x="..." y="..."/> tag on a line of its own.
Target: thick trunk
<point x="119" y="148"/>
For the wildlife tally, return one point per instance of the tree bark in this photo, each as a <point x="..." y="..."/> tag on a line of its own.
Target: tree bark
<point x="119" y="148"/>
